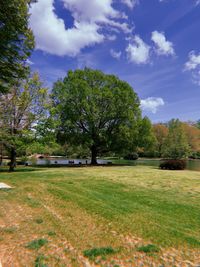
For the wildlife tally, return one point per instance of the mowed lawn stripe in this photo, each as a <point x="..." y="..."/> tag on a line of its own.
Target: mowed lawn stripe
<point x="161" y="206"/>
<point x="144" y="210"/>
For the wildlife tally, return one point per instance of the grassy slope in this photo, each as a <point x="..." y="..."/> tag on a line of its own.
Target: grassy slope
<point x="162" y="207"/>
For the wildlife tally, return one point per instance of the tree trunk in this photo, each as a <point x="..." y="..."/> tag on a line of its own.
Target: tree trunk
<point x="12" y="159"/>
<point x="94" y="155"/>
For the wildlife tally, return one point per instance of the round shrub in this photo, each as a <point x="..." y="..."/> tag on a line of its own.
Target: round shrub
<point x="131" y="156"/>
<point x="173" y="164"/>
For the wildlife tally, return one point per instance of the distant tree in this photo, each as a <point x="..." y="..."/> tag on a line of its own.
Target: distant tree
<point x="176" y="145"/>
<point x="198" y="124"/>
<point x="38" y="147"/>
<point x="96" y="110"/>
<point x="44" y="138"/>
<point x="192" y="134"/>
<point x="20" y="109"/>
<point x="146" y="137"/>
<point x="160" y="132"/>
<point x="16" y="42"/>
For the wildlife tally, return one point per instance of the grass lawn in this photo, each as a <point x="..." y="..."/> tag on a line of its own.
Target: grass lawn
<point x="100" y="216"/>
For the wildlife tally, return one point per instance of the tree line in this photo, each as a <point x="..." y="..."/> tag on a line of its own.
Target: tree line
<point x="88" y="113"/>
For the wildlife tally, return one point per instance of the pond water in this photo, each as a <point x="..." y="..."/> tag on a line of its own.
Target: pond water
<point x="63" y="161"/>
<point x="191" y="164"/>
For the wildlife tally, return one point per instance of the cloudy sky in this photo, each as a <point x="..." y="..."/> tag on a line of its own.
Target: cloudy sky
<point x="152" y="44"/>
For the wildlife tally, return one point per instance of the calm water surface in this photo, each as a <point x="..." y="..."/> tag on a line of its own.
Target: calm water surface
<point x="191" y="164"/>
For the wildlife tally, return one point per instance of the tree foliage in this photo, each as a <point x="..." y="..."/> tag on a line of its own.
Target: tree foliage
<point x="24" y="106"/>
<point x="192" y="134"/>
<point x="16" y="43"/>
<point x="96" y="110"/>
<point x="176" y="145"/>
<point x="146" y="137"/>
<point x="160" y="132"/>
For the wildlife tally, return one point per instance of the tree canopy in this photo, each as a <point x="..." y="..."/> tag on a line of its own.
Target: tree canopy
<point x="160" y="132"/>
<point x="176" y="145"/>
<point x="146" y="137"/>
<point x="96" y="110"/>
<point x="16" y="42"/>
<point x="24" y="106"/>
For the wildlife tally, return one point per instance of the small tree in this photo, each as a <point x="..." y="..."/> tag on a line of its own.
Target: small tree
<point x="198" y="124"/>
<point x="19" y="110"/>
<point x="192" y="134"/>
<point x="176" y="146"/>
<point x="96" y="110"/>
<point x="160" y="132"/>
<point x="146" y="137"/>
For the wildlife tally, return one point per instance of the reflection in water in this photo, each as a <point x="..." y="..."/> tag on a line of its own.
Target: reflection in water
<point x="63" y="161"/>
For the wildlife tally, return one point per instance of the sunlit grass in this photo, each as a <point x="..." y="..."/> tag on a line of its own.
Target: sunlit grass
<point x="84" y="206"/>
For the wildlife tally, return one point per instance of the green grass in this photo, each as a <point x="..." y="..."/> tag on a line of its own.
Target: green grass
<point x="150" y="248"/>
<point x="8" y="230"/>
<point x="37" y="243"/>
<point x="162" y="207"/>
<point x="39" y="261"/>
<point x="39" y="220"/>
<point x="95" y="252"/>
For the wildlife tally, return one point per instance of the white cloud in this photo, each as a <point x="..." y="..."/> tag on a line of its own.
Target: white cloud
<point x="138" y="51"/>
<point x="115" y="54"/>
<point x="196" y="77"/>
<point x="96" y="12"/>
<point x="130" y="3"/>
<point x="196" y="1"/>
<point x="53" y="37"/>
<point x="193" y="65"/>
<point x="193" y="62"/>
<point x="111" y="37"/>
<point x="152" y="104"/>
<point x="163" y="47"/>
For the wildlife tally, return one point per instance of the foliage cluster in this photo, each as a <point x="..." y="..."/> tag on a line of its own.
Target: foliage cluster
<point x="173" y="164"/>
<point x="131" y="156"/>
<point x="16" y="44"/>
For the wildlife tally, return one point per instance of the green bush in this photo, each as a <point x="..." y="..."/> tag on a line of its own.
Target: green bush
<point x="173" y="164"/>
<point x="195" y="155"/>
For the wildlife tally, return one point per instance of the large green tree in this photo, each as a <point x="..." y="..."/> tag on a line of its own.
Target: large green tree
<point x="20" y="110"/>
<point x="96" y="110"/>
<point x="16" y="41"/>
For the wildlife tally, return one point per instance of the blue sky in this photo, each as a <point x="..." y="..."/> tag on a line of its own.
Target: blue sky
<point x="152" y="44"/>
